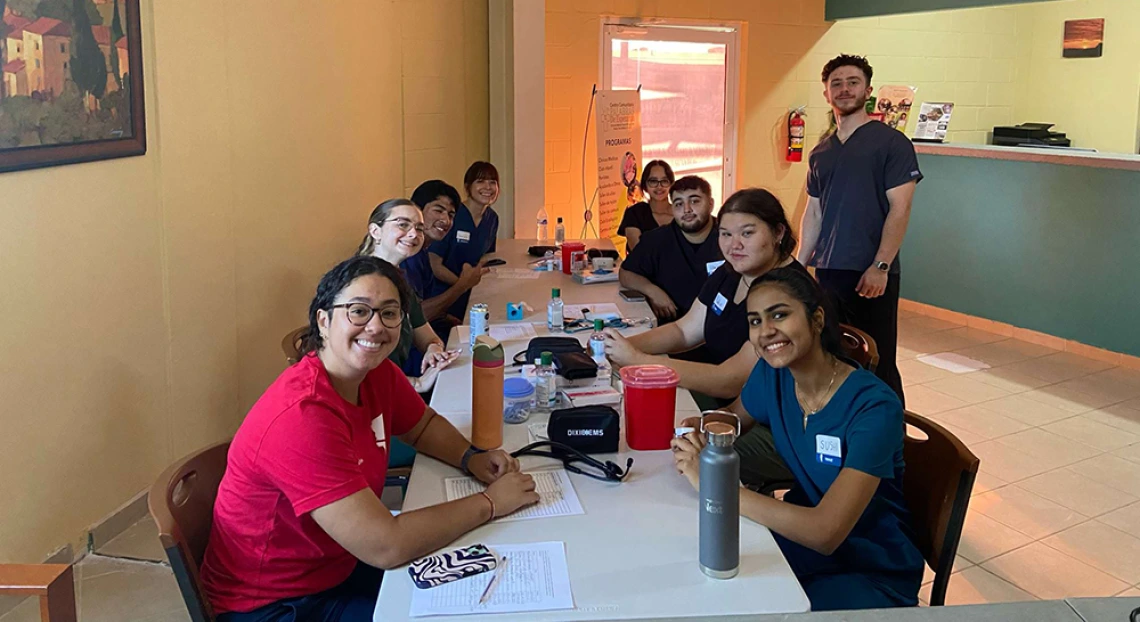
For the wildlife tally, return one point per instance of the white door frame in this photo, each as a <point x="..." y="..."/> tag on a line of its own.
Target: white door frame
<point x="658" y="29"/>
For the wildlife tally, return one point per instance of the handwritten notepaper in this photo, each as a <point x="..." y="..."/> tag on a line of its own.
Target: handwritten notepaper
<point x="556" y="495"/>
<point x="599" y="311"/>
<point x="511" y="332"/>
<point x="514" y="273"/>
<point x="535" y="578"/>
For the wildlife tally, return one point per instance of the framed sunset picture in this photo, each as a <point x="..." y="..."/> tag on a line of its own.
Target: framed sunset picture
<point x="1084" y="38"/>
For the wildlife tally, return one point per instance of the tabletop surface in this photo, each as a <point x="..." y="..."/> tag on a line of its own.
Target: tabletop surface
<point x="633" y="554"/>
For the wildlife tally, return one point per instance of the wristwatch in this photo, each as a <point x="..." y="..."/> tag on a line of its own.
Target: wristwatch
<point x="882" y="265"/>
<point x="471" y="451"/>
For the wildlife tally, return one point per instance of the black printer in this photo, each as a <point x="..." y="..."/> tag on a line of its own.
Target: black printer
<point x="1029" y="135"/>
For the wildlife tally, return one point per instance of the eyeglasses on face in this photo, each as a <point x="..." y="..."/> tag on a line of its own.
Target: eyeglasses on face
<point x="657" y="183"/>
<point x="360" y="314"/>
<point x="406" y="225"/>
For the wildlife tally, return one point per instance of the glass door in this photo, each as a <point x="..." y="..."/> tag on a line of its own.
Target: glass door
<point x="689" y="77"/>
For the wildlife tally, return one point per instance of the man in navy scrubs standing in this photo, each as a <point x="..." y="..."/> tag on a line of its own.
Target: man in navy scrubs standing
<point x="861" y="181"/>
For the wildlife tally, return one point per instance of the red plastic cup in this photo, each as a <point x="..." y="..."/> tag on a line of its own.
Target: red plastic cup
<point x="567" y="249"/>
<point x="650" y="406"/>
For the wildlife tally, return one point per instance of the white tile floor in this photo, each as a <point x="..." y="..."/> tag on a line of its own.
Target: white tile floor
<point x="1055" y="511"/>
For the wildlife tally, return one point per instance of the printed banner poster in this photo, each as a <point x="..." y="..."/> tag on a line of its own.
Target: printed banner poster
<point x="619" y="156"/>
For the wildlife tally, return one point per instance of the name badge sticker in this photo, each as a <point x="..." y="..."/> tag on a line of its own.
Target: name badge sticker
<point x="463" y="236"/>
<point x="713" y="265"/>
<point x="828" y="450"/>
<point x="719" y="303"/>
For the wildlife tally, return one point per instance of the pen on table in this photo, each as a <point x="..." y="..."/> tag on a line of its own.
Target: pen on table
<point x="494" y="581"/>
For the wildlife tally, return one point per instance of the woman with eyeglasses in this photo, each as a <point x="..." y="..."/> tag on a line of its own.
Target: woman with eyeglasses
<point x="395" y="234"/>
<point x="299" y="532"/>
<point x="844" y="526"/>
<point x="656" y="179"/>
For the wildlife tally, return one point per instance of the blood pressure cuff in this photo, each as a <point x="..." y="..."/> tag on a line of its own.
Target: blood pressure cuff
<point x="589" y="429"/>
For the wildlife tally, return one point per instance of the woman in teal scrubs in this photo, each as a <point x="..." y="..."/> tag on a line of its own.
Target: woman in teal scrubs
<point x="844" y="527"/>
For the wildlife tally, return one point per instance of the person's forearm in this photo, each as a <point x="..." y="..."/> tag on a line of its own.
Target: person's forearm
<point x="809" y="233"/>
<point x="796" y="523"/>
<point x="440" y="271"/>
<point x="894" y="229"/>
<point x="667" y="339"/>
<point x="440" y="440"/>
<point x="633" y="280"/>
<point x="632" y="238"/>
<point x="436" y="306"/>
<point x="429" y="529"/>
<point x="721" y="381"/>
<point x="424" y="337"/>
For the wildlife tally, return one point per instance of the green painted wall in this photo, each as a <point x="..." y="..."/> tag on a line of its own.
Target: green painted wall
<point x="839" y="9"/>
<point x="1050" y="248"/>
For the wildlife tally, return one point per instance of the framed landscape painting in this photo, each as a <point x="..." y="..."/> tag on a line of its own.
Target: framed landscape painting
<point x="72" y="88"/>
<point x="1084" y="38"/>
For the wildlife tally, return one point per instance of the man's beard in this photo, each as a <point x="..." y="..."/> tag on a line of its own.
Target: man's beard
<point x="694" y="226"/>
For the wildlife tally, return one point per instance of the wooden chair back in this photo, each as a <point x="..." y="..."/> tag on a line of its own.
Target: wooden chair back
<point x="860" y="347"/>
<point x="937" y="484"/>
<point x="181" y="502"/>
<point x="291" y="344"/>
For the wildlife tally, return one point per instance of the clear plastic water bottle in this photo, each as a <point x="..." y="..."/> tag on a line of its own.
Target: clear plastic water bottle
<point x="546" y="383"/>
<point x="543" y="233"/>
<point x="554" y="312"/>
<point x="598" y="348"/>
<point x="559" y="233"/>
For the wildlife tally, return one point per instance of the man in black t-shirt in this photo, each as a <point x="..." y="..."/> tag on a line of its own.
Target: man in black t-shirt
<point x="671" y="263"/>
<point x="861" y="181"/>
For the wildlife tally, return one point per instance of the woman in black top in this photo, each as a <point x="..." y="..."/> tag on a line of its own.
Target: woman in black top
<point x="754" y="237"/>
<point x="656" y="179"/>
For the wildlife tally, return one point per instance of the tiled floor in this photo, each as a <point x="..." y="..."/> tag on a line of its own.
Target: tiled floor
<point x="1056" y="506"/>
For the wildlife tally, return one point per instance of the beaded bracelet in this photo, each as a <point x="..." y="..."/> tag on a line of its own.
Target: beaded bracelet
<point x="491" y="501"/>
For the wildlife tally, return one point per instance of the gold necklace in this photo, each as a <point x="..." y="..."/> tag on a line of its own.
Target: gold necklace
<point x="808" y="411"/>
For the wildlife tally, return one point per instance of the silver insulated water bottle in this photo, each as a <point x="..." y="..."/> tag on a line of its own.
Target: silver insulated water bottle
<point x="720" y="496"/>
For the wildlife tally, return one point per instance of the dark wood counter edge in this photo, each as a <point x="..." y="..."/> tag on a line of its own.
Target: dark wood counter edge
<point x="1016" y="154"/>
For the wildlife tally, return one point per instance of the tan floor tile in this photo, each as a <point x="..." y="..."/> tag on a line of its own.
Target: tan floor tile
<point x="138" y="542"/>
<point x="1092" y="433"/>
<point x="968" y="390"/>
<point x="976" y="336"/>
<point x="26" y="611"/>
<point x="1126" y="519"/>
<point x="977" y="586"/>
<point x="1104" y="388"/>
<point x="984" y="538"/>
<point x="1111" y="471"/>
<point x="1066" y="399"/>
<point x="1026" y="512"/>
<point x="1044" y="445"/>
<point x="1132" y="592"/>
<point x="1026" y="410"/>
<point x="1060" y="367"/>
<point x="935" y="342"/>
<point x="1077" y="492"/>
<point x="1006" y="352"/>
<point x="142" y="593"/>
<point x="960" y="563"/>
<point x="925" y="401"/>
<point x="985" y="423"/>
<point x="966" y="436"/>
<point x="1009" y="464"/>
<point x="1101" y="547"/>
<point x="1119" y="417"/>
<point x="1009" y="380"/>
<point x="1131" y="452"/>
<point x="985" y="482"/>
<point x="1050" y="574"/>
<point x="921" y="325"/>
<point x="1121" y="375"/>
<point x="917" y="372"/>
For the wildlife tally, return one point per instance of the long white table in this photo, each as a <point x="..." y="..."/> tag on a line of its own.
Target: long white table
<point x="633" y="554"/>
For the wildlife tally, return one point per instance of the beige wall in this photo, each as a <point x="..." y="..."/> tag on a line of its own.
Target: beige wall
<point x="146" y="297"/>
<point x="1093" y="100"/>
<point x="962" y="56"/>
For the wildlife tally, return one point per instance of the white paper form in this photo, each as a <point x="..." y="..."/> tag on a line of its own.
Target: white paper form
<point x="600" y="311"/>
<point x="512" y="332"/>
<point x="556" y="495"/>
<point x="535" y="578"/>
<point x="514" y="273"/>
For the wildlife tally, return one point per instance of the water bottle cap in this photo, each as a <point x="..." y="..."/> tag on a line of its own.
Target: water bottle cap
<point x="547" y="358"/>
<point x="555" y="292"/>
<point x="599" y="325"/>
<point x="560" y="219"/>
<point x="720" y="434"/>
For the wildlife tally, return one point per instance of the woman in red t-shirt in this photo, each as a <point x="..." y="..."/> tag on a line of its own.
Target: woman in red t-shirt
<point x="299" y="531"/>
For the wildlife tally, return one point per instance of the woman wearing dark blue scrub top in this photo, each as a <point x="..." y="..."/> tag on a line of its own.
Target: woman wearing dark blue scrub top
<point x="471" y="237"/>
<point x="844" y="527"/>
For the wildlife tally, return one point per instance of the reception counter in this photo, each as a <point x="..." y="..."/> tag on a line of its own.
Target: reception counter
<point x="1041" y="239"/>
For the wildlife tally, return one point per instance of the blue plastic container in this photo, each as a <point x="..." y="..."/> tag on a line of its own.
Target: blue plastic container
<point x="518" y="400"/>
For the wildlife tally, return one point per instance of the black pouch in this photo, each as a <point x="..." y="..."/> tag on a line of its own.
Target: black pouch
<point x="552" y="344"/>
<point x="575" y="365"/>
<point x="589" y="429"/>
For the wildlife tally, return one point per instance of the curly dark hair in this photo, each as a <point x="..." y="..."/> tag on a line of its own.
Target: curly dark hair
<point x="333" y="283"/>
<point x="848" y="60"/>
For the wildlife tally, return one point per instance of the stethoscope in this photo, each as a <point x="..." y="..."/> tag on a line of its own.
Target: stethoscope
<point x="611" y="472"/>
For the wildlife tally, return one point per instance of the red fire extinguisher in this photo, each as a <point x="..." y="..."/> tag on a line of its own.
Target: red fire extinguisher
<point x="796" y="135"/>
